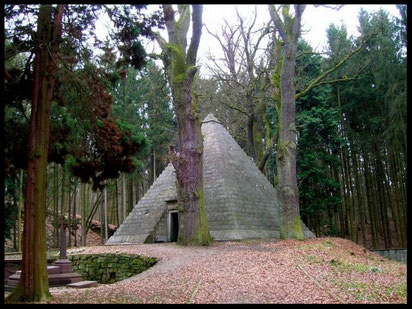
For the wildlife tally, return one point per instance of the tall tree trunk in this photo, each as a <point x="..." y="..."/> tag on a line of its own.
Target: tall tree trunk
<point x="399" y="197"/>
<point x="56" y="205"/>
<point x="341" y="178"/>
<point x="124" y="211"/>
<point x="376" y="200"/>
<point x="84" y="213"/>
<point x="131" y="204"/>
<point x="180" y="64"/>
<point x="33" y="284"/>
<point x="117" y="202"/>
<point x="354" y="202"/>
<point x="359" y="198"/>
<point x="106" y="234"/>
<point x="102" y="222"/>
<point x="388" y="196"/>
<point x="139" y="188"/>
<point x="250" y="136"/>
<point x="338" y="210"/>
<point x="381" y="201"/>
<point x="346" y="196"/>
<point x="74" y="220"/>
<point x="258" y="136"/>
<point x="153" y="158"/>
<point x="288" y="196"/>
<point x="401" y="178"/>
<point x="20" y="206"/>
<point x="370" y="200"/>
<point x="69" y="208"/>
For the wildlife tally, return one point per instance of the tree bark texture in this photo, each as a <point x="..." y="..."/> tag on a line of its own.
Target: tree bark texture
<point x="33" y="284"/>
<point x="250" y="136"/>
<point x="288" y="196"/>
<point x="56" y="205"/>
<point x="20" y="206"/>
<point x="180" y="64"/>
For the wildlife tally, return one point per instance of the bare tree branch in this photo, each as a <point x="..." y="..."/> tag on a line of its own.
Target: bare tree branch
<point x="299" y="8"/>
<point x="161" y="41"/>
<point x="183" y="24"/>
<point x="197" y="31"/>
<point x="235" y="108"/>
<point x="336" y="8"/>
<point x="169" y="17"/>
<point x="280" y="26"/>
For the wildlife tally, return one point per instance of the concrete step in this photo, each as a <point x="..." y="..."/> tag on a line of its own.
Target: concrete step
<point x="64" y="278"/>
<point x="54" y="279"/>
<point x="82" y="284"/>
<point x="50" y="270"/>
<point x="53" y="270"/>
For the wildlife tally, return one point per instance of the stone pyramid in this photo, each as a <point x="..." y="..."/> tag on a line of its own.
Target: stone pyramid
<point x="240" y="202"/>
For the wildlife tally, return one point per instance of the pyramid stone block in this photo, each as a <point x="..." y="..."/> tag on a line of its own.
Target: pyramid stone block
<point x="240" y="202"/>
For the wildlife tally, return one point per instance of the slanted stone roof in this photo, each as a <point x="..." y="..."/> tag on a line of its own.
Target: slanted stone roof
<point x="240" y="202"/>
<point x="142" y="220"/>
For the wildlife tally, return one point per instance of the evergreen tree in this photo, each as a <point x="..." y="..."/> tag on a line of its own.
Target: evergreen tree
<point x="318" y="146"/>
<point x="59" y="68"/>
<point x="33" y="283"/>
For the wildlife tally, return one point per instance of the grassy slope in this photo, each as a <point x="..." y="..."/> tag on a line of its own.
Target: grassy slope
<point x="350" y="273"/>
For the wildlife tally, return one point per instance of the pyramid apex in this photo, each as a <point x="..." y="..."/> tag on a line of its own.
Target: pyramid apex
<point x="209" y="118"/>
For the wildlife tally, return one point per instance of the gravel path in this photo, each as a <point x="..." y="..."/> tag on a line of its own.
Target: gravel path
<point x="258" y="271"/>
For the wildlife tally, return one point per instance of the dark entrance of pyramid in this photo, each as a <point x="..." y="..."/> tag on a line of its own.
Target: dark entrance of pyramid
<point x="173" y="225"/>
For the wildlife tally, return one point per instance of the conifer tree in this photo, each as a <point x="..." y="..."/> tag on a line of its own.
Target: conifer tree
<point x="33" y="284"/>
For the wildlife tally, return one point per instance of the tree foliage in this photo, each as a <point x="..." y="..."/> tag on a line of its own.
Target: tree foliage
<point x="58" y="67"/>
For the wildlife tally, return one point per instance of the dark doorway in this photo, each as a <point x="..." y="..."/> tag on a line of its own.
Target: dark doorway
<point x="174" y="226"/>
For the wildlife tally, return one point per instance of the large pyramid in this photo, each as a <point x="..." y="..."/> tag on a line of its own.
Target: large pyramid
<point x="240" y="202"/>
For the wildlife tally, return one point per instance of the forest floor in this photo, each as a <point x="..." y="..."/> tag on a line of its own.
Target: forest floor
<point x="322" y="270"/>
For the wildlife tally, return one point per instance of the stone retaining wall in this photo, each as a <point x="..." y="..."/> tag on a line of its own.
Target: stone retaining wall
<point x="109" y="267"/>
<point x="393" y="254"/>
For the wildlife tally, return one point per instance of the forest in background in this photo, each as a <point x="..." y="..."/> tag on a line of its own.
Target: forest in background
<point x="112" y="121"/>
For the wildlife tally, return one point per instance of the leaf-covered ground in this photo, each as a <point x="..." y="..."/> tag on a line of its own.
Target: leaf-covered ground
<point x="322" y="270"/>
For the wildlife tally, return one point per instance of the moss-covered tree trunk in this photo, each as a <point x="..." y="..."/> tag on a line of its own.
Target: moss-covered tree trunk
<point x="180" y="65"/>
<point x="193" y="229"/>
<point x="286" y="151"/>
<point x="289" y="30"/>
<point x="33" y="284"/>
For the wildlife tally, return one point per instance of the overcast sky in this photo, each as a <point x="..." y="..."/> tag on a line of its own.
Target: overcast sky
<point x="315" y="21"/>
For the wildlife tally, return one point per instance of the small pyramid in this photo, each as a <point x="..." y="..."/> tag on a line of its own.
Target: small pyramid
<point x="240" y="202"/>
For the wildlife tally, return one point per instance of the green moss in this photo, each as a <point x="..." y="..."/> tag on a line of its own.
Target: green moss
<point x="109" y="268"/>
<point x="177" y="57"/>
<point x="201" y="237"/>
<point x="292" y="229"/>
<point x="179" y="78"/>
